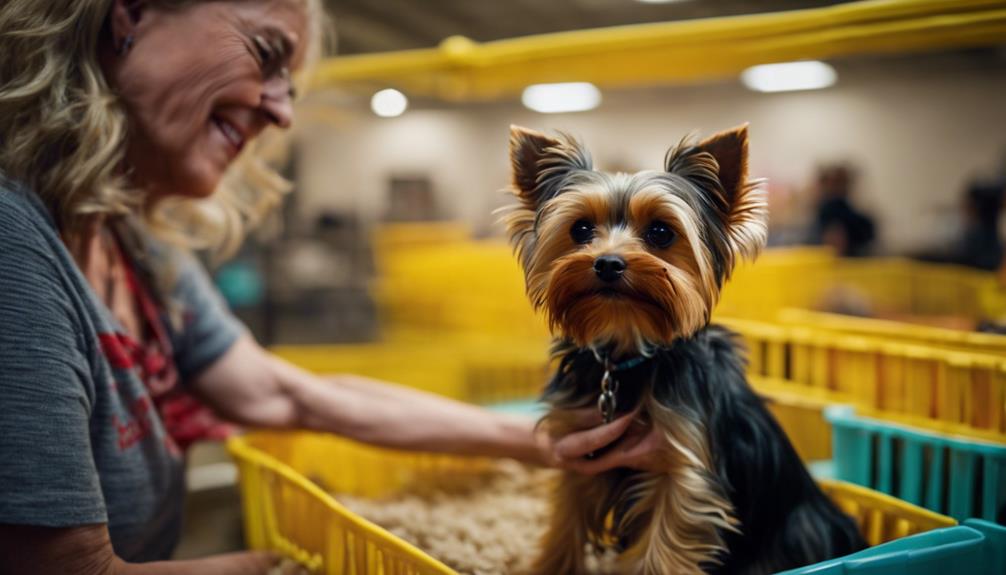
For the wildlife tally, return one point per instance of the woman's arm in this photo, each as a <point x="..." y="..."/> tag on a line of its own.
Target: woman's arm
<point x="253" y="387"/>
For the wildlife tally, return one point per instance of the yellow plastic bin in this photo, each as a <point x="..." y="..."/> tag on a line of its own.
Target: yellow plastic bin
<point x="286" y="510"/>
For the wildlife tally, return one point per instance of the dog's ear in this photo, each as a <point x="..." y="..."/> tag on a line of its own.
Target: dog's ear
<point x="719" y="165"/>
<point x="730" y="149"/>
<point x="540" y="163"/>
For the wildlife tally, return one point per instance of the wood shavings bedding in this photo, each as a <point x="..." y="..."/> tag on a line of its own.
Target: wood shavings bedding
<point x="484" y="524"/>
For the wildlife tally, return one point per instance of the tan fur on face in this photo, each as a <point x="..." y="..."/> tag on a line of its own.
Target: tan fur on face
<point x="658" y="302"/>
<point x="669" y="293"/>
<point x="554" y="222"/>
<point x="687" y="253"/>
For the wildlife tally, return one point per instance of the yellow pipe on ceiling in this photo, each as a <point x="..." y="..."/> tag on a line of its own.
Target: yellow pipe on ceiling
<point x="688" y="51"/>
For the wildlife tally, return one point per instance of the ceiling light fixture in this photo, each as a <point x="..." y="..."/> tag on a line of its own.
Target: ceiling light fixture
<point x="389" y="103"/>
<point x="790" y="76"/>
<point x="562" y="97"/>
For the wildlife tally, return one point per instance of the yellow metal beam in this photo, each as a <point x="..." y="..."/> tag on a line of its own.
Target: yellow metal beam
<point x="672" y="52"/>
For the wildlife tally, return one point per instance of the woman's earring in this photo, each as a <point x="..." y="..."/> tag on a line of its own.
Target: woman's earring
<point x="125" y="46"/>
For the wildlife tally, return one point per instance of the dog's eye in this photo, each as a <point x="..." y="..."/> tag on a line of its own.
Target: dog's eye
<point x="659" y="234"/>
<point x="582" y="231"/>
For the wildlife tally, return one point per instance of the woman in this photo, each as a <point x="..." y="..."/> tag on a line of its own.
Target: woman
<point x="118" y="117"/>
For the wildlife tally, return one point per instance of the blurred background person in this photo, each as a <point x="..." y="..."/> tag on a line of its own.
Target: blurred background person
<point x="980" y="243"/>
<point x="837" y="222"/>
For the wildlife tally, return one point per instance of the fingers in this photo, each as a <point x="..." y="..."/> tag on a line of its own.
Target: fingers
<point x="579" y="444"/>
<point x="287" y="566"/>
<point x="610" y="460"/>
<point x="642" y="452"/>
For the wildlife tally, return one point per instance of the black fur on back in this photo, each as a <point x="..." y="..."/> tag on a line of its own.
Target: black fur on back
<point x="786" y="521"/>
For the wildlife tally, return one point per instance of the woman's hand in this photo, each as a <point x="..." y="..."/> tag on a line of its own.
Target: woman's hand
<point x="628" y="441"/>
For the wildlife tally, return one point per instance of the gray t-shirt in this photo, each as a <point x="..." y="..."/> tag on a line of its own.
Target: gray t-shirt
<point x="81" y="441"/>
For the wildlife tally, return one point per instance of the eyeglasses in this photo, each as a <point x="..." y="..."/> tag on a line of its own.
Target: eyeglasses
<point x="273" y="59"/>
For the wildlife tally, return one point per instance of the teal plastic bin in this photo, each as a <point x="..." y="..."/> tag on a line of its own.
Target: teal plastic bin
<point x="954" y="476"/>
<point x="975" y="548"/>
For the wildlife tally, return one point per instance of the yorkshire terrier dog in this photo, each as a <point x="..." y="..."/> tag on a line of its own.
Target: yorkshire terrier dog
<point x="627" y="269"/>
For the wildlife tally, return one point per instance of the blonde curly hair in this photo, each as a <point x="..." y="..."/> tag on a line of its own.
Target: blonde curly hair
<point x="63" y="130"/>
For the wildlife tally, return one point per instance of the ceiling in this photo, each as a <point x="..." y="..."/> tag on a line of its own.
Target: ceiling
<point x="364" y="26"/>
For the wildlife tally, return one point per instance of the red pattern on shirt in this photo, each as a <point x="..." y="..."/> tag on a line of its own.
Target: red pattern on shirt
<point x="185" y="418"/>
<point x="137" y="427"/>
<point x="117" y="349"/>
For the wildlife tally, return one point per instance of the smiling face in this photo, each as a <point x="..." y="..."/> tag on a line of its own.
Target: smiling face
<point x="631" y="260"/>
<point x="201" y="81"/>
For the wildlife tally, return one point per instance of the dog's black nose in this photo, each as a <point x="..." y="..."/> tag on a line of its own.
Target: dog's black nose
<point x="609" y="268"/>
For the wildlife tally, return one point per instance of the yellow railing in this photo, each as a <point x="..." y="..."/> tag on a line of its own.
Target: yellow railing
<point x="814" y="279"/>
<point x="671" y="52"/>
<point x="962" y="393"/>
<point x="989" y="343"/>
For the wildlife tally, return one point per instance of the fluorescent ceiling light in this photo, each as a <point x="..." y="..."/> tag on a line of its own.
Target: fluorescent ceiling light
<point x="807" y="75"/>
<point x="389" y="103"/>
<point x="563" y="97"/>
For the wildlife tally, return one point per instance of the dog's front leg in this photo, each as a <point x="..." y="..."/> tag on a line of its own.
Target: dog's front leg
<point x="681" y="514"/>
<point x="562" y="548"/>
